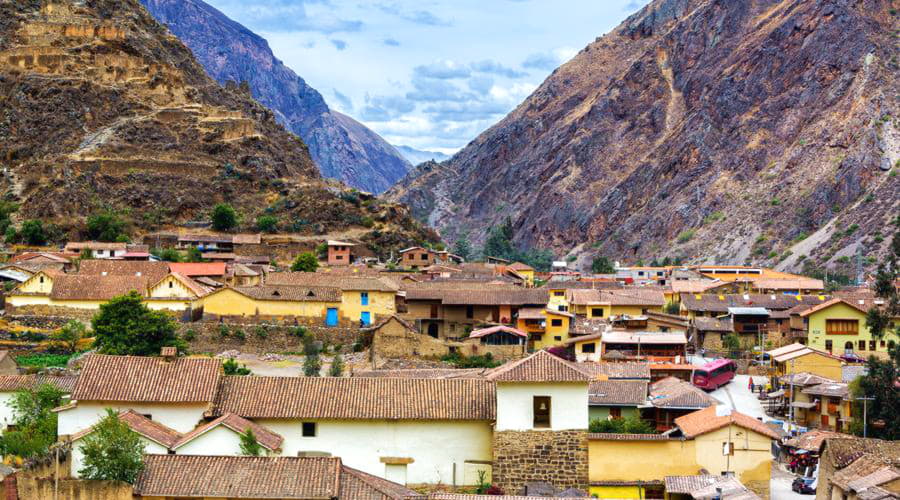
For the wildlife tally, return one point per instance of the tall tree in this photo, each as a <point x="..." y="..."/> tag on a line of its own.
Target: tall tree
<point x="34" y="421"/>
<point x="224" y="217"/>
<point x="125" y="325"/>
<point x="880" y="383"/>
<point x="879" y="319"/>
<point x="462" y="247"/>
<point x="112" y="452"/>
<point x="105" y="226"/>
<point x="602" y="265"/>
<point x="70" y="334"/>
<point x="306" y="261"/>
<point x="499" y="241"/>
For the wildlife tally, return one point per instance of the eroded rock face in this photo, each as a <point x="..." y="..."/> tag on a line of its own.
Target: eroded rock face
<point x="100" y="107"/>
<point x="342" y="147"/>
<point x="742" y="127"/>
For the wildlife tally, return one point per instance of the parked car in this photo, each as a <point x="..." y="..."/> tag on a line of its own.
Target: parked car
<point x="853" y="358"/>
<point x="804" y="485"/>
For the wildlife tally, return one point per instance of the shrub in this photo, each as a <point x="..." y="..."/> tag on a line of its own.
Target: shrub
<point x="267" y="223"/>
<point x="126" y="326"/>
<point x="169" y="255"/>
<point x="312" y="365"/>
<point x="852" y="229"/>
<point x="261" y="332"/>
<point x="70" y="334"/>
<point x="224" y="332"/>
<point x="224" y="217"/>
<point x="459" y="361"/>
<point x="237" y="333"/>
<point x="249" y="445"/>
<point x="775" y="202"/>
<point x="189" y="335"/>
<point x="113" y="452"/>
<point x="337" y="366"/>
<point x="672" y="308"/>
<point x="602" y="265"/>
<point x="231" y="367"/>
<point x="628" y="425"/>
<point x="33" y="232"/>
<point x="685" y="236"/>
<point x="306" y="262"/>
<point x="298" y="331"/>
<point x="105" y="226"/>
<point x="358" y="346"/>
<point x="34" y="427"/>
<point x="714" y="217"/>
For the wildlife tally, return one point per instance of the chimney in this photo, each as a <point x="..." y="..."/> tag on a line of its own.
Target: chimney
<point x="169" y="353"/>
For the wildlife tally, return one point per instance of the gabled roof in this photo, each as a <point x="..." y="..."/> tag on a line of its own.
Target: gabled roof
<point x="643" y="338"/>
<point x="75" y="246"/>
<point x="805" y="379"/>
<point x="344" y="282"/>
<point x="83" y="287"/>
<point x="539" y="367"/>
<point x="832" y="302"/>
<point x="786" y="349"/>
<point x="621" y="371"/>
<point x="814" y="439"/>
<point x="146" y="379"/>
<point x="154" y="431"/>
<point x="707" y="420"/>
<point x="265" y="437"/>
<point x="616" y="297"/>
<point x="806" y="351"/>
<point x="356" y="398"/>
<point x="153" y="271"/>
<point x="830" y="389"/>
<point x="800" y="283"/>
<point x="12" y="383"/>
<point x="286" y="293"/>
<point x="483" y="332"/>
<point x="721" y="302"/>
<point x="423" y="373"/>
<point x="674" y="393"/>
<point x="695" y="286"/>
<point x="518" y="266"/>
<point x="617" y="392"/>
<point x="712" y="324"/>
<point x="191" y="269"/>
<point x="196" y="288"/>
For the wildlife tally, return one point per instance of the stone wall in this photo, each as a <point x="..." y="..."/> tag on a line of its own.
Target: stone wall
<point x="556" y="457"/>
<point x="67" y="313"/>
<point x="207" y="337"/>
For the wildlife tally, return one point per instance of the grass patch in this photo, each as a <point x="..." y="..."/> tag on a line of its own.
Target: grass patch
<point x="43" y="360"/>
<point x="685" y="236"/>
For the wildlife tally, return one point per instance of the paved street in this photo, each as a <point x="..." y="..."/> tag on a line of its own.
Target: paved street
<point x="737" y="395"/>
<point x="780" y="485"/>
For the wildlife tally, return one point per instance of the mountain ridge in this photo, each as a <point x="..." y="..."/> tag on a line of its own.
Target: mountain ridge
<point x="343" y="148"/>
<point x="689" y="114"/>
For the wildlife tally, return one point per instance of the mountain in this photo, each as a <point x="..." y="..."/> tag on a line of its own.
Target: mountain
<point x="417" y="156"/>
<point x="761" y="131"/>
<point x="342" y="147"/>
<point x="101" y="108"/>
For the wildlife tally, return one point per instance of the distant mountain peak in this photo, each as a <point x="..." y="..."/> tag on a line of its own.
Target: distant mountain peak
<point x="417" y="156"/>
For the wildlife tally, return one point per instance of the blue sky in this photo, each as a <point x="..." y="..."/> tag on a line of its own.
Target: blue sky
<point x="431" y="74"/>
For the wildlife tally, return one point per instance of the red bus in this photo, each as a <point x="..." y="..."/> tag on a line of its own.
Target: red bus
<point x="714" y="374"/>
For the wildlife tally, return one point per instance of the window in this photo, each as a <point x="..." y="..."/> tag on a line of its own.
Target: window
<point x="555" y="322"/>
<point x="873" y="345"/>
<point x="309" y="429"/>
<point x="615" y="412"/>
<point x="664" y="329"/>
<point x="541" y="412"/>
<point x="596" y="311"/>
<point x="563" y="308"/>
<point x="842" y="326"/>
<point x="557" y="338"/>
<point x="883" y="343"/>
<point x="862" y="345"/>
<point x="171" y="284"/>
<point x="828" y="345"/>
<point x="364" y="298"/>
<point x="470" y="312"/>
<point x="558" y="294"/>
<point x="848" y="346"/>
<point x="589" y="348"/>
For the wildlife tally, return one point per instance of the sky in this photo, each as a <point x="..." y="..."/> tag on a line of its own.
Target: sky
<point x="430" y="74"/>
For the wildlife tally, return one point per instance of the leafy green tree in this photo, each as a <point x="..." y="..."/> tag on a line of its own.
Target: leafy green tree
<point x="86" y="254"/>
<point x="105" y="226"/>
<point x="7" y="208"/>
<point x="231" y="367"/>
<point x="194" y="255"/>
<point x="337" y="366"/>
<point x="126" y="326"/>
<point x="168" y="254"/>
<point x="499" y="241"/>
<point x="267" y="223"/>
<point x="249" y="445"/>
<point x="672" y="308"/>
<point x="224" y="217"/>
<point x="312" y="365"/>
<point x="539" y="259"/>
<point x="33" y="232"/>
<point x="602" y="265"/>
<point x="112" y="452"/>
<point x="11" y="235"/>
<point x="34" y="423"/>
<point x="880" y="319"/>
<point x="628" y="425"/>
<point x="732" y="342"/>
<point x="69" y="335"/>
<point x="462" y="247"/>
<point x="880" y="383"/>
<point x="306" y="261"/>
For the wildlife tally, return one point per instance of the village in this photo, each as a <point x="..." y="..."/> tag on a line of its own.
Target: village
<point x="242" y="368"/>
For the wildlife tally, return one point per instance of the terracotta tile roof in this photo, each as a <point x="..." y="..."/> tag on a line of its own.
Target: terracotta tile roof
<point x="617" y="392"/>
<point x="623" y="297"/>
<point x="842" y="452"/>
<point x="22" y="258"/>
<point x="243" y="270"/>
<point x="356" y="398"/>
<point x="877" y="493"/>
<point x="704" y="421"/>
<point x="865" y="472"/>
<point x="855" y="304"/>
<point x="191" y="269"/>
<point x="152" y="270"/>
<point x="573" y="285"/>
<point x="151" y="430"/>
<point x="290" y="293"/>
<point x="144" y="379"/>
<point x="265" y="437"/>
<point x="713" y="324"/>
<point x="12" y="383"/>
<point x="587" y="326"/>
<point x="687" y="485"/>
<point x="423" y="373"/>
<point x="695" y="286"/>
<point x="356" y="484"/>
<point x="643" y="338"/>
<point x="721" y="303"/>
<point x="624" y="371"/>
<point x="788" y="284"/>
<point x="77" y="246"/>
<point x="483" y="332"/>
<point x="539" y="367"/>
<point x="671" y="392"/>
<point x="468" y="293"/>
<point x="802" y="352"/>
<point x="813" y="440"/>
<point x="831" y="389"/>
<point x="518" y="266"/>
<point x="786" y="349"/>
<point x="363" y="283"/>
<point x="243" y="477"/>
<point x="83" y="287"/>
<point x="205" y="238"/>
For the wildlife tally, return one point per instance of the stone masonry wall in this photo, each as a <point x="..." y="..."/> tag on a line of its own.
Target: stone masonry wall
<point x="261" y="338"/>
<point x="556" y="457"/>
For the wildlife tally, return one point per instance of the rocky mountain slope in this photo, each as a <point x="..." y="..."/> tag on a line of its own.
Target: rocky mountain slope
<point x="102" y="108"/>
<point x="417" y="156"/>
<point x="342" y="147"/>
<point x="764" y="131"/>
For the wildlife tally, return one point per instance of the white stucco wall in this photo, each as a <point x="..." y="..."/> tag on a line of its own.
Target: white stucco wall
<point x="218" y="441"/>
<point x="583" y="357"/>
<point x="6" y="413"/>
<point x="434" y="446"/>
<point x="182" y="418"/>
<point x="568" y="405"/>
<point x="78" y="457"/>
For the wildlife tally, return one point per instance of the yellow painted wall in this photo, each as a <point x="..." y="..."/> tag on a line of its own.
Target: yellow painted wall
<point x="548" y="338"/>
<point x="35" y="285"/>
<point x="752" y="459"/>
<point x="817" y="336"/>
<point x="381" y="304"/>
<point x="609" y="310"/>
<point x="27" y="300"/>
<point x="171" y="287"/>
<point x="640" y="460"/>
<point x="616" y="492"/>
<point x="816" y="363"/>
<point x="78" y="304"/>
<point x="227" y="302"/>
<point x="167" y="304"/>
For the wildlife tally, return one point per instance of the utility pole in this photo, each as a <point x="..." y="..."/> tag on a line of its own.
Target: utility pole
<point x="791" y="399"/>
<point x="865" y="400"/>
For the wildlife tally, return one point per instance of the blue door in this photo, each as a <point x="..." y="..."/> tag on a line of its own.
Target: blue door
<point x="366" y="318"/>
<point x="365" y="298"/>
<point x="331" y="319"/>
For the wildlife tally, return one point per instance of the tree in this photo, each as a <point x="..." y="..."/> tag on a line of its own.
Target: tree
<point x="249" y="445"/>
<point x="34" y="423"/>
<point x="105" y="226"/>
<point x="731" y="342"/>
<point x="312" y="365"/>
<point x="224" y="217"/>
<point x="267" y="223"/>
<point x="602" y="265"/>
<point x="126" y="326"/>
<point x="33" y="232"/>
<point x="194" y="255"/>
<point x="86" y="254"/>
<point x="672" y="308"/>
<point x="306" y="262"/>
<point x="112" y="452"/>
<point x="337" y="366"/>
<point x="231" y="367"/>
<point x="880" y="383"/>
<point x="499" y="241"/>
<point x="628" y="425"/>
<point x="7" y="208"/>
<point x="880" y="318"/>
<point x="168" y="255"/>
<point x="462" y="247"/>
<point x="69" y="335"/>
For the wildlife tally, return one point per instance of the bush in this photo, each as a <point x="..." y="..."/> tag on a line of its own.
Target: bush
<point x="459" y="361"/>
<point x="249" y="445"/>
<point x="70" y="334"/>
<point x="672" y="308"/>
<point x="602" y="265"/>
<point x="237" y="333"/>
<point x="126" y="326"/>
<point x="34" y="423"/>
<point x="231" y="367"/>
<point x="337" y="366"/>
<point x="33" y="232"/>
<point x="685" y="236"/>
<point x="267" y="223"/>
<point x="169" y="255"/>
<point x="224" y="217"/>
<point x="298" y="331"/>
<point x="224" y="332"/>
<point x="113" y="452"/>
<point x="312" y="365"/>
<point x="628" y="425"/>
<point x="358" y="346"/>
<point x="189" y="335"/>
<point x="261" y="332"/>
<point x="106" y="226"/>
<point x="305" y="262"/>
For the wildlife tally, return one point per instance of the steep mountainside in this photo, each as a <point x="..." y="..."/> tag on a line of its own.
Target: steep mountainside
<point x="342" y="147"/>
<point x="102" y="108"/>
<point x="753" y="130"/>
<point x="417" y="156"/>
